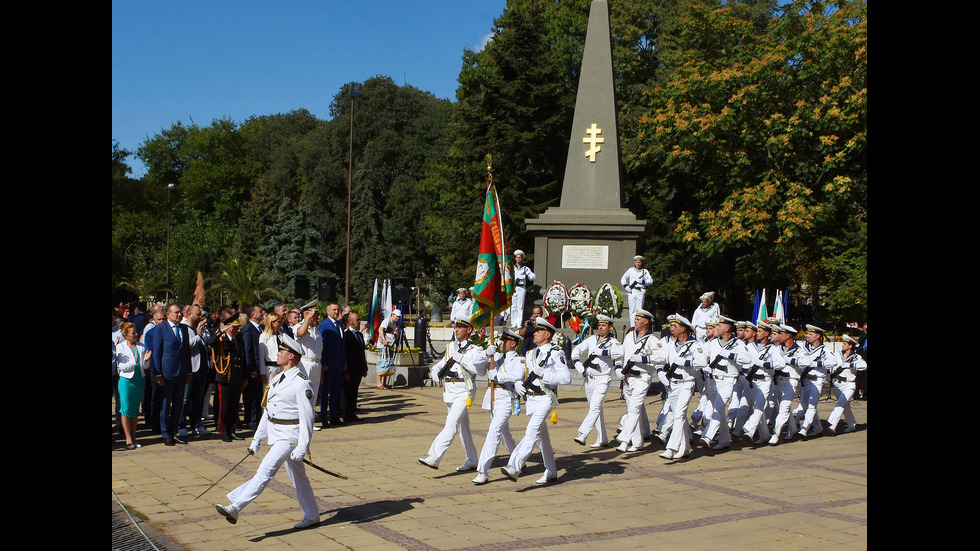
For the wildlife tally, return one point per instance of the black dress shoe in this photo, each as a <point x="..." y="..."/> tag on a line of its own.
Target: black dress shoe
<point x="336" y="421"/>
<point x="227" y="437"/>
<point x="170" y="441"/>
<point x="178" y="440"/>
<point x="236" y="437"/>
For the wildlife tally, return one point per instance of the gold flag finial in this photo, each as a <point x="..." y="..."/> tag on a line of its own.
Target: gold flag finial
<point x="489" y="162"/>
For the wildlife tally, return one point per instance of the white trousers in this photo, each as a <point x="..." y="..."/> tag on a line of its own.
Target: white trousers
<point x="314" y="370"/>
<point x="809" y="397"/>
<point x="680" y="435"/>
<point x="784" y="395"/>
<point x="539" y="414"/>
<point x="718" y="395"/>
<point x="278" y="454"/>
<point x="757" y="397"/>
<point x="499" y="431"/>
<point x="457" y="422"/>
<point x="844" y="391"/>
<point x="517" y="307"/>
<point x="635" y="301"/>
<point x="595" y="393"/>
<point x="635" y="394"/>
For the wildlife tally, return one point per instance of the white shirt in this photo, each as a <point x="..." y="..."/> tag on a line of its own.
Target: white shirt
<point x="290" y="397"/>
<point x="636" y="280"/>
<point x="608" y="353"/>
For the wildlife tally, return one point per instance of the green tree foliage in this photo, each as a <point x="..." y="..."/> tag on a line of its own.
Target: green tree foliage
<point x="244" y="282"/>
<point x="756" y="141"/>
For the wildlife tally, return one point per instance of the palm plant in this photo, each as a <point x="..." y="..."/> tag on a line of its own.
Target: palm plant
<point x="244" y="281"/>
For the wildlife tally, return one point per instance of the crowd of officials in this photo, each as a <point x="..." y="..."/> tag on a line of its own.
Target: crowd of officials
<point x="184" y="370"/>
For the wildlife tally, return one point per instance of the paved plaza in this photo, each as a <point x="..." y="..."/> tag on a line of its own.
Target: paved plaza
<point x="808" y="494"/>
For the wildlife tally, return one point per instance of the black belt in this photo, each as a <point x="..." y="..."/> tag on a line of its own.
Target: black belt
<point x="840" y="379"/>
<point x="812" y="377"/>
<point x="782" y="374"/>
<point x="454" y="380"/>
<point x="759" y="377"/>
<point x="676" y="376"/>
<point x="275" y="421"/>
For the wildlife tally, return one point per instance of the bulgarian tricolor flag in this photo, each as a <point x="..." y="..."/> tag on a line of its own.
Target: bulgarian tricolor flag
<point x="494" y="282"/>
<point x="375" y="313"/>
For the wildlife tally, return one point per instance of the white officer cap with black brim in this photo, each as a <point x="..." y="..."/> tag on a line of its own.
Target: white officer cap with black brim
<point x="600" y="318"/>
<point x="508" y="334"/>
<point x="640" y="312"/>
<point x="815" y="329"/>
<point x="289" y="344"/>
<point x="541" y="323"/>
<point x="518" y="252"/>
<point x="677" y="318"/>
<point x="726" y="319"/>
<point x="464" y="321"/>
<point x="850" y="339"/>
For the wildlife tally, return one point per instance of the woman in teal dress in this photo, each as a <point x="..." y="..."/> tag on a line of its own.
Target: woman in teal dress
<point x="131" y="359"/>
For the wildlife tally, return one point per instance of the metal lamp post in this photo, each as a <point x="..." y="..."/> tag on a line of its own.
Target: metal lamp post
<point x="352" y="92"/>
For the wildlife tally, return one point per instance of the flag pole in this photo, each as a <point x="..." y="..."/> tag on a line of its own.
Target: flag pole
<point x="489" y="159"/>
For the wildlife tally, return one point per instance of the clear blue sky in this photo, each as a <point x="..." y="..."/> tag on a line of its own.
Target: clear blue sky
<point x="196" y="61"/>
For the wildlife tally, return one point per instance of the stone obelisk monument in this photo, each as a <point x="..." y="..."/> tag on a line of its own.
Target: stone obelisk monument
<point x="589" y="238"/>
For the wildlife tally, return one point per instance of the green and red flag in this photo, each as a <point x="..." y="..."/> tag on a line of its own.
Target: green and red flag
<point x="494" y="282"/>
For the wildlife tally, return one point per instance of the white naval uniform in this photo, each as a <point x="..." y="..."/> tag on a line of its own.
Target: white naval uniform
<point x="472" y="359"/>
<point x="550" y="366"/>
<point x="701" y="316"/>
<point x="290" y="400"/>
<point x="462" y="308"/>
<point x="844" y="386"/>
<point x="608" y="355"/>
<point x="646" y="354"/>
<point x="719" y="384"/>
<point x="766" y="360"/>
<point x="523" y="278"/>
<point x="787" y="382"/>
<point x="312" y="350"/>
<point x="686" y="359"/>
<point x="821" y="361"/>
<point x="635" y="282"/>
<point x="503" y="371"/>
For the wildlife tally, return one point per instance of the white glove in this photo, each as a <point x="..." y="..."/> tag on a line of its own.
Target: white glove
<point x="637" y="359"/>
<point x="295" y="455"/>
<point x="435" y="379"/>
<point x="619" y="374"/>
<point x="491" y="350"/>
<point x="254" y="447"/>
<point x="804" y="361"/>
<point x="538" y="370"/>
<point x="457" y="356"/>
<point x="519" y="388"/>
<point x="579" y="367"/>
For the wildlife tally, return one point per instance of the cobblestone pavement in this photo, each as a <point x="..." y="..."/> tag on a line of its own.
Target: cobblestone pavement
<point x="811" y="494"/>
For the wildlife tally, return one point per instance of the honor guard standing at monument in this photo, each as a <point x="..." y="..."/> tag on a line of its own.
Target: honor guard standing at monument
<point x="816" y="362"/>
<point x="546" y="369"/>
<point x="462" y="307"/>
<point x="844" y="380"/>
<point x="708" y="309"/>
<point x="523" y="278"/>
<point x="603" y="354"/>
<point x="684" y="359"/>
<point x="506" y="368"/>
<point x="635" y="281"/>
<point x="642" y="353"/>
<point x="457" y="370"/>
<point x="287" y="421"/>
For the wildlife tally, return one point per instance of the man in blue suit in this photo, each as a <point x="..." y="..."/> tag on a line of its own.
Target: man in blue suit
<point x="255" y="370"/>
<point x="334" y="360"/>
<point x="170" y="368"/>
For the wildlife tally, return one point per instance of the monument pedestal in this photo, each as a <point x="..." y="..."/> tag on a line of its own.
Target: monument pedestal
<point x="575" y="245"/>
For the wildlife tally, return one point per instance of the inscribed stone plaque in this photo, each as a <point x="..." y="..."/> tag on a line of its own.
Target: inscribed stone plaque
<point x="585" y="257"/>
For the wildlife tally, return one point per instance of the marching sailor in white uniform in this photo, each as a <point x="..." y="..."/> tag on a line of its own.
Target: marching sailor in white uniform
<point x="463" y="361"/>
<point x="506" y="367"/>
<point x="603" y="354"/>
<point x="546" y="369"/>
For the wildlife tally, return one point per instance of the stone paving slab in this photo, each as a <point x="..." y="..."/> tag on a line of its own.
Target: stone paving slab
<point x="811" y="494"/>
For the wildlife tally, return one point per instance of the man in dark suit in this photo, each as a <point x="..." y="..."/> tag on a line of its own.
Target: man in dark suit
<point x="333" y="358"/>
<point x="356" y="365"/>
<point x="255" y="375"/>
<point x="170" y="366"/>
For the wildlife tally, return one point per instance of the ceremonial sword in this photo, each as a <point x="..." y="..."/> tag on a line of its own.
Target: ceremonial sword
<point x="226" y="474"/>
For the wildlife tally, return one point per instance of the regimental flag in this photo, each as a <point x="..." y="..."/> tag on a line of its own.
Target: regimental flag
<point x="494" y="282"/>
<point x="375" y="313"/>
